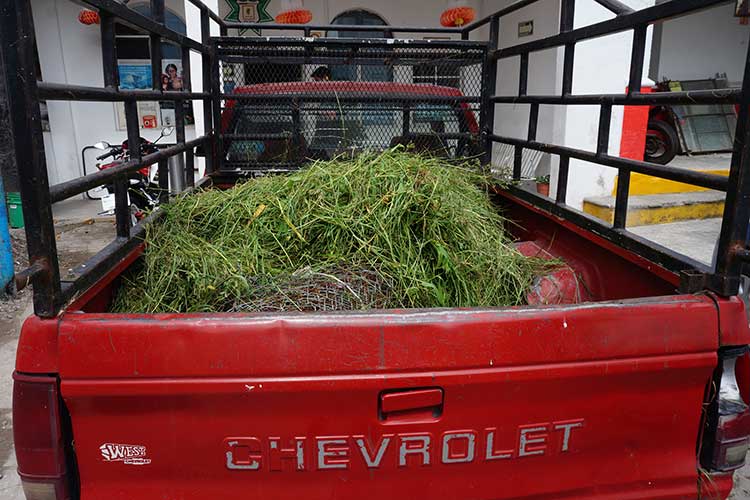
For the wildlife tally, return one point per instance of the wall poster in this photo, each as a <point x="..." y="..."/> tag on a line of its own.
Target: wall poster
<point x="135" y="74"/>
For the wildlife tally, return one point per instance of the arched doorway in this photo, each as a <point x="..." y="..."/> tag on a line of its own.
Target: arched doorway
<point x="360" y="17"/>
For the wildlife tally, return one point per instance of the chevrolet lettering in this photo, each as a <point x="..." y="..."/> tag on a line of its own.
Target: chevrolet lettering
<point x="463" y="446"/>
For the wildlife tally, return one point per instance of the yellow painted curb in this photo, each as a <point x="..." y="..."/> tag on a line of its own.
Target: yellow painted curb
<point x="659" y="215"/>
<point x="641" y="184"/>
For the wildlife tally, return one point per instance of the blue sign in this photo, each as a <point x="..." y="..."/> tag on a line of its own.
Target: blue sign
<point x="135" y="76"/>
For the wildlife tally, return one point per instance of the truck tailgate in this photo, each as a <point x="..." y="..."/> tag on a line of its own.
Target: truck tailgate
<point x="601" y="400"/>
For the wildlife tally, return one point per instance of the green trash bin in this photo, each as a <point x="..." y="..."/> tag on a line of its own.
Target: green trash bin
<point x="15" y="212"/>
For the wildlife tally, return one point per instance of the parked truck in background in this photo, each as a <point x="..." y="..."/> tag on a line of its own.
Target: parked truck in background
<point x="627" y="376"/>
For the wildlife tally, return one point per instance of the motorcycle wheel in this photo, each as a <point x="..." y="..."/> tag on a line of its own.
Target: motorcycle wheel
<point x="662" y="144"/>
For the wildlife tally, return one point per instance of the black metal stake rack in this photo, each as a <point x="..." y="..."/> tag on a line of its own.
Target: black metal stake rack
<point x="476" y="57"/>
<point x="731" y="253"/>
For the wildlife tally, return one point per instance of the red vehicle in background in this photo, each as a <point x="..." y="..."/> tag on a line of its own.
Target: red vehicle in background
<point x="344" y="127"/>
<point x="690" y="129"/>
<point x="662" y="141"/>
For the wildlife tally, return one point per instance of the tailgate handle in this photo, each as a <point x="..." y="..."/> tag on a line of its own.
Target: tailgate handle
<point x="410" y="401"/>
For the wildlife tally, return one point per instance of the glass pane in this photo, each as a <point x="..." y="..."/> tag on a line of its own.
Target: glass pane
<point x="261" y="120"/>
<point x="434" y="118"/>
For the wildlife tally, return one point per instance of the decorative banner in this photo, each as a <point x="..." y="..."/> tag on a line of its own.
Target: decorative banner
<point x="293" y="12"/>
<point x="248" y="11"/>
<point x="88" y="17"/>
<point x="457" y="14"/>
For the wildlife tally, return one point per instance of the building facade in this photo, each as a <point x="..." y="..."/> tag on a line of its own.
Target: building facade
<point x="69" y="52"/>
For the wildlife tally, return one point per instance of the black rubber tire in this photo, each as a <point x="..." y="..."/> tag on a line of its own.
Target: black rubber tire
<point x="667" y="136"/>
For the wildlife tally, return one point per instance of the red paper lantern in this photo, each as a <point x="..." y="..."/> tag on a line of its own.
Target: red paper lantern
<point x="88" y="17"/>
<point x="457" y="16"/>
<point x="298" y="16"/>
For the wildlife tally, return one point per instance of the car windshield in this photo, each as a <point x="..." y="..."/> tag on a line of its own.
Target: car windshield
<point x="328" y="129"/>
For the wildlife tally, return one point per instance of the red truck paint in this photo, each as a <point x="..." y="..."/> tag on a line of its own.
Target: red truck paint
<point x="634" y="127"/>
<point x="343" y="87"/>
<point x="559" y="286"/>
<point x="182" y="386"/>
<point x="595" y="400"/>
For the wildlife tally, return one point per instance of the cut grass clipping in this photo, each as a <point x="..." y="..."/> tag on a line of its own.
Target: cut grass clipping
<point x="386" y="230"/>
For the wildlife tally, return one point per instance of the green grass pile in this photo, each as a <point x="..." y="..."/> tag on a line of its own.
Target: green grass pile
<point x="425" y="226"/>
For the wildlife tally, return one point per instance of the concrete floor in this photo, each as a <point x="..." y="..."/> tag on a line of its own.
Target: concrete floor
<point x="78" y="210"/>
<point x="694" y="238"/>
<point x="703" y="162"/>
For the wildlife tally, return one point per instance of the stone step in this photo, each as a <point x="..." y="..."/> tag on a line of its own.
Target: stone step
<point x="660" y="208"/>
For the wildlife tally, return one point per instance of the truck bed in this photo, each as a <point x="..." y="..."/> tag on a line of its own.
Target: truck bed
<point x="600" y="399"/>
<point x="626" y="377"/>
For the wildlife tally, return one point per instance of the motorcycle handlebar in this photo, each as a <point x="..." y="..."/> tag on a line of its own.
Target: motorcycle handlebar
<point x="145" y="146"/>
<point x="111" y="152"/>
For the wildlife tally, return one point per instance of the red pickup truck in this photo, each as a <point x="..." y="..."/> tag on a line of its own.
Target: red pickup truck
<point x="632" y="384"/>
<point x="607" y="398"/>
<point x="328" y="128"/>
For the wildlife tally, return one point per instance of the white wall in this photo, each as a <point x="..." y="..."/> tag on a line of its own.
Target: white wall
<point x="558" y="125"/>
<point x="70" y="52"/>
<point x="60" y="144"/>
<point x="193" y="29"/>
<point x="602" y="66"/>
<point x="394" y="12"/>
<point x="701" y="45"/>
<point x="544" y="77"/>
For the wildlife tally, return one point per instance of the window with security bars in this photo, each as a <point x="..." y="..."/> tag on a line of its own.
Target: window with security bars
<point x="438" y="74"/>
<point x="329" y="129"/>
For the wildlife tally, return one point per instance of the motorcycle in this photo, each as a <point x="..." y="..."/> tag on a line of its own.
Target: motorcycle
<point x="143" y="186"/>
